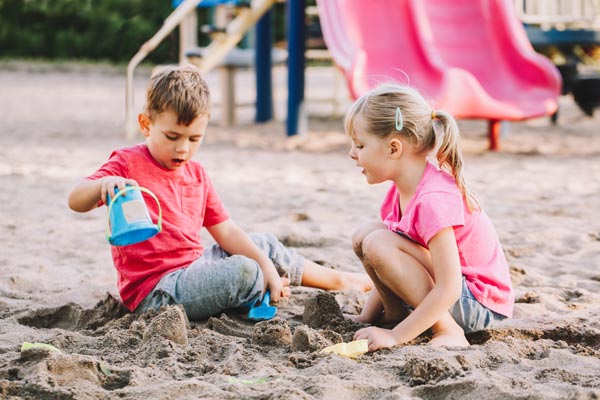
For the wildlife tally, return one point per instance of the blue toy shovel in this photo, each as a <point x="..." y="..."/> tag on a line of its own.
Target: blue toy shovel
<point x="262" y="311"/>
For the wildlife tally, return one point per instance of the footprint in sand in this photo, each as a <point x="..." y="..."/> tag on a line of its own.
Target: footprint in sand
<point x="72" y="317"/>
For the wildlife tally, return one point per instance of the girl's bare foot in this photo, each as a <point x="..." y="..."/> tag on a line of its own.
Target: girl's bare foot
<point x="387" y="318"/>
<point x="353" y="317"/>
<point x="450" y="340"/>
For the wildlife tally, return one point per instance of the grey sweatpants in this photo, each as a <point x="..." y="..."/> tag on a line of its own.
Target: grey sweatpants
<point x="218" y="281"/>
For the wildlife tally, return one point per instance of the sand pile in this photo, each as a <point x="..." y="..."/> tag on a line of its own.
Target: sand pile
<point x="58" y="285"/>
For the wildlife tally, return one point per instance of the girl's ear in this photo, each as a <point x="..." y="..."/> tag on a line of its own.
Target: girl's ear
<point x="144" y="122"/>
<point x="395" y="148"/>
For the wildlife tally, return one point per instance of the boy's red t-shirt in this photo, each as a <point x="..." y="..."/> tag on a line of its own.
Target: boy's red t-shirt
<point x="189" y="202"/>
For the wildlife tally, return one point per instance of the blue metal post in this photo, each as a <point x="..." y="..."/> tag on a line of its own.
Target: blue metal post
<point x="296" y="46"/>
<point x="263" y="62"/>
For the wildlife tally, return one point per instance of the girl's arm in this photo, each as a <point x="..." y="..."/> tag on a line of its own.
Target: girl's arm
<point x="87" y="193"/>
<point x="445" y="265"/>
<point x="234" y="240"/>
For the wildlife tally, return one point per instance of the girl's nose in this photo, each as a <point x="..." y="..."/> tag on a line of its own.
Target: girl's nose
<point x="351" y="153"/>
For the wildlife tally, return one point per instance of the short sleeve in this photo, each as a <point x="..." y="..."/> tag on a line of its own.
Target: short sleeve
<point x="215" y="212"/>
<point x="116" y="165"/>
<point x="436" y="211"/>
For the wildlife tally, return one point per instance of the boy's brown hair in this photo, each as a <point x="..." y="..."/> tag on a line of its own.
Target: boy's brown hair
<point x="180" y="89"/>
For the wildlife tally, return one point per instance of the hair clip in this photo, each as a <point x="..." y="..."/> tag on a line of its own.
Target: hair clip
<point x="433" y="114"/>
<point x="399" y="120"/>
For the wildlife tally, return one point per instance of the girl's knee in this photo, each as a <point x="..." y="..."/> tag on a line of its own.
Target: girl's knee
<point x="374" y="245"/>
<point x="362" y="233"/>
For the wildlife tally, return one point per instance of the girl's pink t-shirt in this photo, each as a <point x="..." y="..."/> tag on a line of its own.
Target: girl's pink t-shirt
<point x="189" y="202"/>
<point x="437" y="204"/>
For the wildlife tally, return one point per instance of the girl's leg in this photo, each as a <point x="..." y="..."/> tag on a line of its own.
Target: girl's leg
<point x="373" y="309"/>
<point x="401" y="271"/>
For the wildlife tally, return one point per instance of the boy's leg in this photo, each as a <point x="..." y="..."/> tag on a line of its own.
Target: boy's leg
<point x="304" y="272"/>
<point x="209" y="286"/>
<point x="402" y="272"/>
<point x="317" y="276"/>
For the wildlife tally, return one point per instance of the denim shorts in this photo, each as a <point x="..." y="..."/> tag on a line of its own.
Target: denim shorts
<point x="218" y="281"/>
<point x="470" y="314"/>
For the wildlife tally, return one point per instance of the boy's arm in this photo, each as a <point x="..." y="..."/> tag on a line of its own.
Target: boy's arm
<point x="234" y="240"/>
<point x="87" y="193"/>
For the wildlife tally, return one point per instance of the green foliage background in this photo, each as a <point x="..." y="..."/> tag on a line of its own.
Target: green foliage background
<point x="110" y="30"/>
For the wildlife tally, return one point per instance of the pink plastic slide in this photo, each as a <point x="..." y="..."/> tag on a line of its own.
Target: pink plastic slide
<point x="471" y="57"/>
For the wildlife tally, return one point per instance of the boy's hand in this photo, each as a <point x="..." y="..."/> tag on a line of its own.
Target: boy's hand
<point x="110" y="182"/>
<point x="279" y="287"/>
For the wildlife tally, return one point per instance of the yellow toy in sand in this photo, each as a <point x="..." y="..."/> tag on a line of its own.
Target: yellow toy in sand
<point x="350" y="349"/>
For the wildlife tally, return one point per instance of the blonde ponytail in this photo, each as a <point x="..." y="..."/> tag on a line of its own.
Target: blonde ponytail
<point x="449" y="156"/>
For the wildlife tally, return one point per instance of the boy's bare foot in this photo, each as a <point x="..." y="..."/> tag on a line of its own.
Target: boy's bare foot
<point x="355" y="281"/>
<point x="451" y="340"/>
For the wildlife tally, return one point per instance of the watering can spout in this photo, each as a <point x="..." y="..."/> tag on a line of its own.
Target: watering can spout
<point x="128" y="217"/>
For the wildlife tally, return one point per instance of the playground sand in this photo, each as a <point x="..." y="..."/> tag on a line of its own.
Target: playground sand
<point x="57" y="282"/>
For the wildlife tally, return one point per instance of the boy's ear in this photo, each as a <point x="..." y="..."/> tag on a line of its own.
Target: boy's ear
<point x="144" y="122"/>
<point x="395" y="148"/>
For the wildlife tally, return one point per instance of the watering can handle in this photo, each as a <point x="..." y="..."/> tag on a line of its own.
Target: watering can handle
<point x="122" y="193"/>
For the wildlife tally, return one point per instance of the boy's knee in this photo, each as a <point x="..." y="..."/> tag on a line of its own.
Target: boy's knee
<point x="248" y="282"/>
<point x="247" y="269"/>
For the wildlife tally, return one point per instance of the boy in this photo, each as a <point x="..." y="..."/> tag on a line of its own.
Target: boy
<point x="172" y="267"/>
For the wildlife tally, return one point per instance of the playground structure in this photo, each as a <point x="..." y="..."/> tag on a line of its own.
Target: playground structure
<point x="472" y="58"/>
<point x="184" y="17"/>
<point x="565" y="29"/>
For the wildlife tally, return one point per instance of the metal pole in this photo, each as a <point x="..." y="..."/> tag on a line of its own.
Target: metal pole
<point x="296" y="47"/>
<point x="263" y="63"/>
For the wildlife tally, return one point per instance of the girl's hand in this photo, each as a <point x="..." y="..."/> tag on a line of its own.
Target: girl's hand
<point x="110" y="182"/>
<point x="378" y="338"/>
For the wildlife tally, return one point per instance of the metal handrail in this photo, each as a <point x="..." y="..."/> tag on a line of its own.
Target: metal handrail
<point x="170" y="23"/>
<point x="215" y="52"/>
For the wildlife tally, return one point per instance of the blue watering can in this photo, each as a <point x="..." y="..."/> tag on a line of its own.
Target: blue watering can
<point x="128" y="217"/>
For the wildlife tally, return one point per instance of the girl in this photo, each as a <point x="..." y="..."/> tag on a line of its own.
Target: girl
<point x="436" y="260"/>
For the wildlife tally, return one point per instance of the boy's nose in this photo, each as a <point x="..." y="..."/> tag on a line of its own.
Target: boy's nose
<point x="182" y="147"/>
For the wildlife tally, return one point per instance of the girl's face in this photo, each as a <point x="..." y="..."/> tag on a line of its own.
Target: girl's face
<point x="372" y="154"/>
<point x="170" y="144"/>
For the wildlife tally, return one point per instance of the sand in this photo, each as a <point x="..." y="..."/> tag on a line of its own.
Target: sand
<point x="58" y="285"/>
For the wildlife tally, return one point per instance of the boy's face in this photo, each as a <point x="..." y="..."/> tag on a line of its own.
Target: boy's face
<point x="170" y="144"/>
